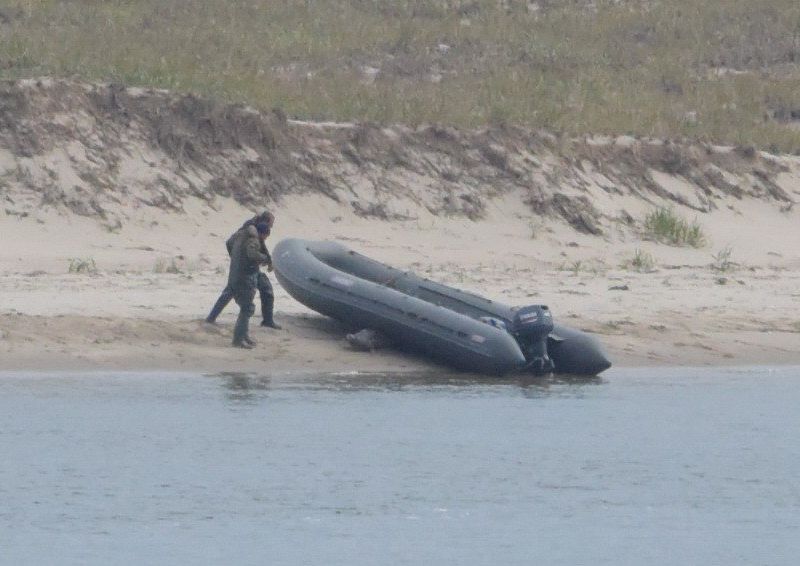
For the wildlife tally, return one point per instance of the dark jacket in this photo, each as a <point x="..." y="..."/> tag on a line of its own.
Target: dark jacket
<point x="246" y="257"/>
<point x="252" y="222"/>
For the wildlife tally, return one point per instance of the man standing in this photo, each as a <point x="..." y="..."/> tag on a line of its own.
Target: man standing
<point x="246" y="258"/>
<point x="262" y="281"/>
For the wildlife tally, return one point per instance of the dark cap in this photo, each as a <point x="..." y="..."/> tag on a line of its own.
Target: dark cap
<point x="266" y="216"/>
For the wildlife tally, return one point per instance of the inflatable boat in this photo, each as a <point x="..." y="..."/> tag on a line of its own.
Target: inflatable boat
<point x="459" y="328"/>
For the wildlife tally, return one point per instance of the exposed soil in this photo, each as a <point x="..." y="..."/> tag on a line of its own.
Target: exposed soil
<point x="99" y="150"/>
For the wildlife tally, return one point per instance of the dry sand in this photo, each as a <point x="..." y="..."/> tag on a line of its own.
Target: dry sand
<point x="133" y="313"/>
<point x="144" y="186"/>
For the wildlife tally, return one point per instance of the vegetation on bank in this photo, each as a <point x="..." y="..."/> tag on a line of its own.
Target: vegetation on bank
<point x="726" y="71"/>
<point x="82" y="265"/>
<point x="641" y="261"/>
<point x="665" y="226"/>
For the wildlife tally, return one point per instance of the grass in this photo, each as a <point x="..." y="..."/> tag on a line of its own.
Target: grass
<point x="535" y="227"/>
<point x="726" y="70"/>
<point x="665" y="226"/>
<point x="166" y="265"/>
<point x="180" y="264"/>
<point x="722" y="260"/>
<point x="82" y="265"/>
<point x="578" y="266"/>
<point x="641" y="261"/>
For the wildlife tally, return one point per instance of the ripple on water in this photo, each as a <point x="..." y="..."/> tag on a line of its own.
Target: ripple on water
<point x="652" y="466"/>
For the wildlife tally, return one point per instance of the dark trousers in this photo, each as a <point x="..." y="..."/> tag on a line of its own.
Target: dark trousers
<point x="264" y="290"/>
<point x="243" y="296"/>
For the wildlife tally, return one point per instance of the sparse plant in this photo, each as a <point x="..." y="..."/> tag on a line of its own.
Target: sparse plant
<point x="114" y="226"/>
<point x="166" y="265"/>
<point x="664" y="225"/>
<point x="533" y="229"/>
<point x="641" y="261"/>
<point x="82" y="265"/>
<point x="576" y="266"/>
<point x="722" y="260"/>
<point x="191" y="265"/>
<point x="581" y="266"/>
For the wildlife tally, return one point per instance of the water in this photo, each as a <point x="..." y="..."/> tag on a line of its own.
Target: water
<point x="641" y="467"/>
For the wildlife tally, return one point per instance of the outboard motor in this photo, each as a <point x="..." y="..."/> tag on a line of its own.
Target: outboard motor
<point x="531" y="326"/>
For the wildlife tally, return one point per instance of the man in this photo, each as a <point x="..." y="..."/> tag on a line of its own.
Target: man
<point x="262" y="282"/>
<point x="246" y="258"/>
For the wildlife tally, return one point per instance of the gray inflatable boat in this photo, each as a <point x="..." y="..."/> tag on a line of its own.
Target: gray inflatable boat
<point x="461" y="329"/>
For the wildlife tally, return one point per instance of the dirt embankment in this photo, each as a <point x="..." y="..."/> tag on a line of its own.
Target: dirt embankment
<point x="102" y="150"/>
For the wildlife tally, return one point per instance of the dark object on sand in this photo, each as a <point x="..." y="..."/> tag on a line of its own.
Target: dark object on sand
<point x="459" y="328"/>
<point x="367" y="340"/>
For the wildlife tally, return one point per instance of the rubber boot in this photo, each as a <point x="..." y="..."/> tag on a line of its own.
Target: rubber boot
<point x="267" y="304"/>
<point x="240" y="331"/>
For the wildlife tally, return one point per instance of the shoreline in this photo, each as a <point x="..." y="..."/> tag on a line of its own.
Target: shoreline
<point x="140" y="301"/>
<point x="412" y="370"/>
<point x="310" y="343"/>
<point x="113" y="235"/>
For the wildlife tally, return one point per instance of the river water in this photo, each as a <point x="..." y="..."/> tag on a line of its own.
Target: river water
<point x="647" y="466"/>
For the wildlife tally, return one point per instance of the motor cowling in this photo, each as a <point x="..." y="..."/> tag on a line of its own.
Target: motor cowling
<point x="531" y="326"/>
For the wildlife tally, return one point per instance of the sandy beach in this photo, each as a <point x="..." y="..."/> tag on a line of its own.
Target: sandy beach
<point x="117" y="204"/>
<point x="151" y="284"/>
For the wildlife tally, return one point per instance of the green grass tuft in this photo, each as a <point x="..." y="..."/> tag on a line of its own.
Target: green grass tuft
<point x="82" y="265"/>
<point x="641" y="261"/>
<point x="665" y="226"/>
